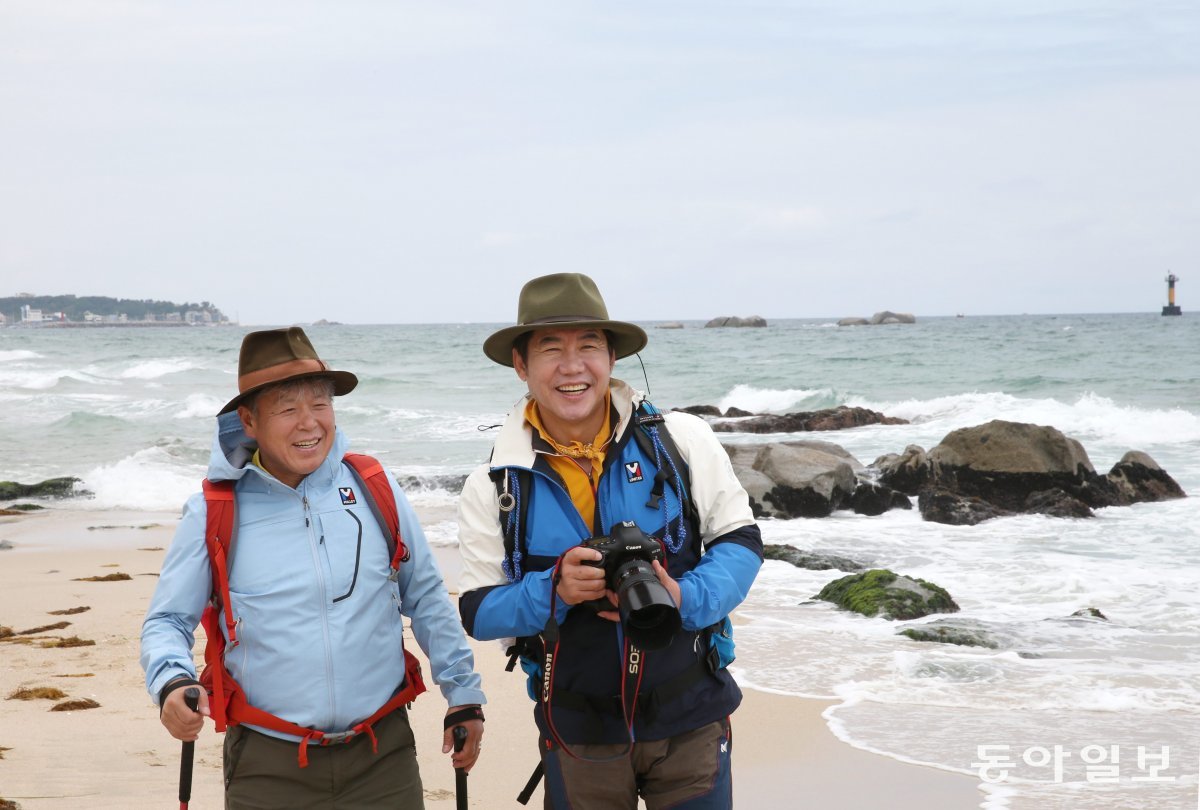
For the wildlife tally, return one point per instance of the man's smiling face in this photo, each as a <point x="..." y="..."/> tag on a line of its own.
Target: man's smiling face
<point x="567" y="371"/>
<point x="294" y="428"/>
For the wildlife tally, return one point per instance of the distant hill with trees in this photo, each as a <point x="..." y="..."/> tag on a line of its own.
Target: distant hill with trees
<point x="101" y="307"/>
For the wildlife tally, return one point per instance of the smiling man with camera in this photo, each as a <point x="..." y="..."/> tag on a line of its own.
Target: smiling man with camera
<point x="608" y="542"/>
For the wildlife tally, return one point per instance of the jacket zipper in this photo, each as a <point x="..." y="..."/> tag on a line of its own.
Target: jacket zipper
<point x="584" y="532"/>
<point x="323" y="599"/>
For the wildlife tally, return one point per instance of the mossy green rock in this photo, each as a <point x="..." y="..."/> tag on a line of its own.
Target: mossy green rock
<point x="50" y="488"/>
<point x="882" y="593"/>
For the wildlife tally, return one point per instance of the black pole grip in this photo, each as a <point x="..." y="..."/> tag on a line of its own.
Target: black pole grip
<point x="530" y="786"/>
<point x="191" y="698"/>
<point x="460" y="776"/>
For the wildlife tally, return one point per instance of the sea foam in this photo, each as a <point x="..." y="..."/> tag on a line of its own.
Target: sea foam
<point x="41" y="380"/>
<point x="772" y="400"/>
<point x="198" y="406"/>
<point x="17" y="354"/>
<point x="153" y="369"/>
<point x="152" y="480"/>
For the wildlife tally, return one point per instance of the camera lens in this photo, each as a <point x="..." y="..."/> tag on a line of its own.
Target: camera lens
<point x="648" y="612"/>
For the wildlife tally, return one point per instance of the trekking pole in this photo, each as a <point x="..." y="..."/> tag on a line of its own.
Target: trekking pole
<point x="191" y="696"/>
<point x="460" y="776"/>
<point x="525" y="795"/>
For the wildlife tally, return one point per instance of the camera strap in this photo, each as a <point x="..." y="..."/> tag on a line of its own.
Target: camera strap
<point x="631" y="682"/>
<point x="634" y="666"/>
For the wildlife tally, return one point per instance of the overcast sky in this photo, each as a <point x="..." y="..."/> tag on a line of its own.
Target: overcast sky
<point x="378" y="162"/>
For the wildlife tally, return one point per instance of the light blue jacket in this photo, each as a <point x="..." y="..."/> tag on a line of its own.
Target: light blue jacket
<point x="318" y="621"/>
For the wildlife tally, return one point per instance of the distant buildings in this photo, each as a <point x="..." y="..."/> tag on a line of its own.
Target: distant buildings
<point x="31" y="315"/>
<point x="32" y="312"/>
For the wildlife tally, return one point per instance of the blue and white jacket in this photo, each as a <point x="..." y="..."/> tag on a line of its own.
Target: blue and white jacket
<point x="318" y="621"/>
<point x="714" y="571"/>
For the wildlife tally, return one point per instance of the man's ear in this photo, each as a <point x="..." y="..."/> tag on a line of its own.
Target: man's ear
<point x="519" y="365"/>
<point x="247" y="417"/>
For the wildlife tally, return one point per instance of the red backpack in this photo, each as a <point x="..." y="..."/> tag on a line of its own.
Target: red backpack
<point x="227" y="702"/>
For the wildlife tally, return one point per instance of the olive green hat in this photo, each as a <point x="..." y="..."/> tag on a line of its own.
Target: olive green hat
<point x="278" y="355"/>
<point x="563" y="300"/>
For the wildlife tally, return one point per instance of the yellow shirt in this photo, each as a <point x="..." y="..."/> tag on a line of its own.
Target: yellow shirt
<point x="571" y="461"/>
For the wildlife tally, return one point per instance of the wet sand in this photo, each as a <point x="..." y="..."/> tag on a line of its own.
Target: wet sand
<point x="119" y="756"/>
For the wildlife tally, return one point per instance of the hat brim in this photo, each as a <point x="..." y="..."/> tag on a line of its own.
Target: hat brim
<point x="343" y="383"/>
<point x="627" y="338"/>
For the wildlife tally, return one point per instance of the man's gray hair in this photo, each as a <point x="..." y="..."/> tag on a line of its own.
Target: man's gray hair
<point x="314" y="385"/>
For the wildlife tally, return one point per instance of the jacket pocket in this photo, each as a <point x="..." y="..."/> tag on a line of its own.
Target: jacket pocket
<point x="235" y="744"/>
<point x="341" y="539"/>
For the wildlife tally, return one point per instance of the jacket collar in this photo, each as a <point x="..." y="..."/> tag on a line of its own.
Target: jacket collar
<point x="514" y="445"/>
<point x="232" y="450"/>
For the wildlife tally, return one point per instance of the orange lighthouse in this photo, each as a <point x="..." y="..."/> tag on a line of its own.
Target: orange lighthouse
<point x="1170" y="308"/>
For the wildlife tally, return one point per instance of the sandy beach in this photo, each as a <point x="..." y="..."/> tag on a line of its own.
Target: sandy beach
<point x="118" y="756"/>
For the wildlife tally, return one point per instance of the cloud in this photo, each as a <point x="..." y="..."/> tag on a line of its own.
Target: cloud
<point x="440" y="156"/>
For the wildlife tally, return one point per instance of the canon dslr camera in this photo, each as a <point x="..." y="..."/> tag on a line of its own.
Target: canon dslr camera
<point x="648" y="613"/>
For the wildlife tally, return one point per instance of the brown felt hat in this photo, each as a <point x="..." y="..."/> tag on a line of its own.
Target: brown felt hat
<point x="278" y="355"/>
<point x="563" y="300"/>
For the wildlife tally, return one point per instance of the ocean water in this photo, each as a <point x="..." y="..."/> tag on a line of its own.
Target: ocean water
<point x="1072" y="713"/>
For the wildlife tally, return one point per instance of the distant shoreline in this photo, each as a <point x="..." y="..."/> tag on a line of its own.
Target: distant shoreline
<point x="112" y="325"/>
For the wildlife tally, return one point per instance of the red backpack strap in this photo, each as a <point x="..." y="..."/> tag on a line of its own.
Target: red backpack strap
<point x="378" y="487"/>
<point x="218" y="536"/>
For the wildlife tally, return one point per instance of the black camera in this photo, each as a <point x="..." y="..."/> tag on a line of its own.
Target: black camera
<point x="648" y="613"/>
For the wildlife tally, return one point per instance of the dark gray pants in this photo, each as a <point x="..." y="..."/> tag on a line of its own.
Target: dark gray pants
<point x="263" y="773"/>
<point x="690" y="770"/>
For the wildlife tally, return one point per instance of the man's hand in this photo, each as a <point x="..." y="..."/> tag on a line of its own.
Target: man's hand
<point x="183" y="723"/>
<point x="671" y="585"/>
<point x="578" y="582"/>
<point x="465" y="758"/>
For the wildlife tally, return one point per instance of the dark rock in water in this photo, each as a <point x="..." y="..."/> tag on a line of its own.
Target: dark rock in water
<point x="794" y="479"/>
<point x="701" y="410"/>
<point x="963" y="632"/>
<point x="882" y="593"/>
<point x="875" y="499"/>
<point x="50" y="488"/>
<point x="944" y="506"/>
<point x="1006" y="462"/>
<point x="812" y="560"/>
<point x="1089" y="613"/>
<point x="7" y="546"/>
<point x="884" y="317"/>
<point x="1023" y="468"/>
<point x="1137" y="478"/>
<point x="907" y="472"/>
<point x="1056" y="503"/>
<point x="837" y="418"/>
<point x="736" y="412"/>
<point x="889" y="317"/>
<point x="425" y="483"/>
<point x="735" y="321"/>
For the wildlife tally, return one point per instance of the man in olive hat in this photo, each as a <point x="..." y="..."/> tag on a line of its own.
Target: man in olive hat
<point x="609" y="542"/>
<point x="307" y="586"/>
